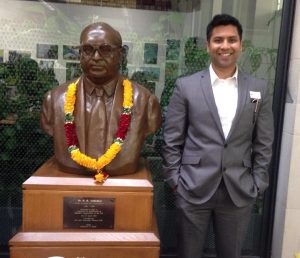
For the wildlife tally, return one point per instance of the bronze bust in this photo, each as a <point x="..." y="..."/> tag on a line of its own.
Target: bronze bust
<point x="100" y="85"/>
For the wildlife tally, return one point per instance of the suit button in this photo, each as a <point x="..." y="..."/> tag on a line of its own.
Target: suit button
<point x="224" y="169"/>
<point x="225" y="145"/>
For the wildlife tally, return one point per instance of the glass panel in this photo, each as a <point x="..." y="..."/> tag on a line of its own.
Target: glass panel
<point x="164" y="39"/>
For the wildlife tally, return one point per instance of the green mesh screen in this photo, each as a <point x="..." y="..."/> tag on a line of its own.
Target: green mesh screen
<point x="24" y="147"/>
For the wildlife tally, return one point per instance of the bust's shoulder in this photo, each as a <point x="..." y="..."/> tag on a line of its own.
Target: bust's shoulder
<point x="140" y="90"/>
<point x="62" y="88"/>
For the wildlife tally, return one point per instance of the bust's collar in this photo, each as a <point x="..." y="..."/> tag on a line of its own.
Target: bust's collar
<point x="108" y="88"/>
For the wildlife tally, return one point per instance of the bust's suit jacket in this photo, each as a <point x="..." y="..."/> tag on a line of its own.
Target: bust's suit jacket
<point x="196" y="154"/>
<point x="145" y="119"/>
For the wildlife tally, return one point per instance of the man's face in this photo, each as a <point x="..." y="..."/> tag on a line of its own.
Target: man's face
<point x="99" y="56"/>
<point x="224" y="47"/>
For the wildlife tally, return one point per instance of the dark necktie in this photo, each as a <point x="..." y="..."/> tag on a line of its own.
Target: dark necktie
<point x="97" y="129"/>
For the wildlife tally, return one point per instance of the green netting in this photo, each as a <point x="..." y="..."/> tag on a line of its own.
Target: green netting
<point x="24" y="147"/>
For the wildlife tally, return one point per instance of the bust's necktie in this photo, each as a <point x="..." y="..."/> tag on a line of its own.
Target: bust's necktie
<point x="97" y="131"/>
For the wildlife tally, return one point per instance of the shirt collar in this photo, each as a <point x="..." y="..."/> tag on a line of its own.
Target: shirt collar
<point x="108" y="89"/>
<point x="214" y="76"/>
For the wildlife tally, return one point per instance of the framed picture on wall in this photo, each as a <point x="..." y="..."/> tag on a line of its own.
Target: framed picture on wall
<point x="1" y="55"/>
<point x="70" y="53"/>
<point x="173" y="49"/>
<point x="151" y="73"/>
<point x="46" y="64"/>
<point x="73" y="70"/>
<point x="150" y="53"/>
<point x="47" y="51"/>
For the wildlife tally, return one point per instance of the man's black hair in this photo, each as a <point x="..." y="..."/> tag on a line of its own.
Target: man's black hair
<point x="222" y="20"/>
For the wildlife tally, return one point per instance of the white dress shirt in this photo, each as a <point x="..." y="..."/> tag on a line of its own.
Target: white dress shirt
<point x="226" y="96"/>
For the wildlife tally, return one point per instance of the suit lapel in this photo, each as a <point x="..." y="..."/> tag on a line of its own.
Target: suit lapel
<point x="243" y="89"/>
<point x="210" y="100"/>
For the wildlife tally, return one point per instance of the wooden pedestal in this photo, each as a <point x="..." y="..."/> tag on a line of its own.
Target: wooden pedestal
<point x="43" y="201"/>
<point x="133" y="234"/>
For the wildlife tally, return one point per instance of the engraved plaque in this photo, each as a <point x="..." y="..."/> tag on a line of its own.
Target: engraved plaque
<point x="89" y="213"/>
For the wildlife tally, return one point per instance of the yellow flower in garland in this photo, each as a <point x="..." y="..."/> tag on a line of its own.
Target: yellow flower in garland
<point x="127" y="102"/>
<point x="71" y="98"/>
<point x="116" y="146"/>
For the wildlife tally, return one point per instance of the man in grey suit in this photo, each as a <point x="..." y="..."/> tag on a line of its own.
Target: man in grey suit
<point x="217" y="148"/>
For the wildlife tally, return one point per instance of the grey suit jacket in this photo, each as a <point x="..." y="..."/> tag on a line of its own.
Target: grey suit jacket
<point x="196" y="154"/>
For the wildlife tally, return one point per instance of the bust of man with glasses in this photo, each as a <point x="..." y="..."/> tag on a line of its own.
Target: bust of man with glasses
<point x="100" y="120"/>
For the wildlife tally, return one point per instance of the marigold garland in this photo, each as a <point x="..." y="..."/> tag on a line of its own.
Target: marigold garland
<point x="71" y="137"/>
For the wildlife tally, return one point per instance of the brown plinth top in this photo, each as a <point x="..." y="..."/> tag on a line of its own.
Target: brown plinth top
<point x="48" y="176"/>
<point x="83" y="239"/>
<point x="111" y="184"/>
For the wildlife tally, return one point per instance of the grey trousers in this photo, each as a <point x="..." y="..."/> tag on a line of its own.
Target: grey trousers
<point x="230" y="225"/>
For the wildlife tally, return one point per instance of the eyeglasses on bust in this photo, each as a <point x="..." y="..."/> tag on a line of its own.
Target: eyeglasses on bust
<point x="104" y="50"/>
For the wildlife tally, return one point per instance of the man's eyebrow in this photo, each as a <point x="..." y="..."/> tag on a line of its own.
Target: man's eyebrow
<point x="218" y="37"/>
<point x="224" y="37"/>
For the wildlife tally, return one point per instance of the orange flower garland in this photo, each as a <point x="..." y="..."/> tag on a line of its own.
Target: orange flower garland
<point x="115" y="147"/>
